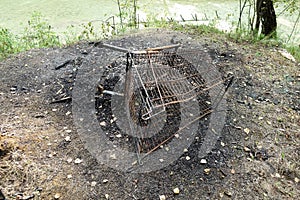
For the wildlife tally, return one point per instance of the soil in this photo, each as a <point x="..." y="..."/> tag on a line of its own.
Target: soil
<point x="257" y="156"/>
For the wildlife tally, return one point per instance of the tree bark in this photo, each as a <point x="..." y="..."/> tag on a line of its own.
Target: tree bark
<point x="266" y="17"/>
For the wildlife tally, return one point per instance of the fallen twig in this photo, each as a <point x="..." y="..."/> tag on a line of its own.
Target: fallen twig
<point x="64" y="64"/>
<point x="62" y="100"/>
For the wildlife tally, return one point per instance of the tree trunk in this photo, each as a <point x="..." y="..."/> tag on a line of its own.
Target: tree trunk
<point x="266" y="17"/>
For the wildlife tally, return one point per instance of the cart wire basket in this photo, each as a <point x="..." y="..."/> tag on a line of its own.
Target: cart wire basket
<point x="155" y="96"/>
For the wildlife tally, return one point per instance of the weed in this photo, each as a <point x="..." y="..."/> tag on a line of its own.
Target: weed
<point x="7" y="42"/>
<point x="38" y="34"/>
<point x="294" y="50"/>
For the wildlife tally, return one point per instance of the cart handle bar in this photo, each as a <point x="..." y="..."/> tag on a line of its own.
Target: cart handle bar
<point x="148" y="50"/>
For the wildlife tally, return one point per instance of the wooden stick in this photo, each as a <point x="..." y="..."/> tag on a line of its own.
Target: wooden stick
<point x="62" y="100"/>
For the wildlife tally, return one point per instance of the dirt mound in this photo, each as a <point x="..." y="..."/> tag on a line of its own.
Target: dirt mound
<point x="257" y="155"/>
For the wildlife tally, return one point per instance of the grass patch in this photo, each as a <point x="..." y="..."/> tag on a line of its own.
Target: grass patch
<point x="294" y="50"/>
<point x="39" y="34"/>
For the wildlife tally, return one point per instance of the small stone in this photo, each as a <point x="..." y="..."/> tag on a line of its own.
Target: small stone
<point x="296" y="180"/>
<point x="68" y="113"/>
<point x="134" y="163"/>
<point x="68" y="138"/>
<point x="106" y="196"/>
<point x="57" y="196"/>
<point x="176" y="135"/>
<point x="161" y="160"/>
<point x="247" y="149"/>
<point x="207" y="171"/>
<point x="69" y="160"/>
<point x="69" y="176"/>
<point x="221" y="194"/>
<point x="188" y="158"/>
<point x="68" y="131"/>
<point x="119" y="136"/>
<point x="113" y="120"/>
<point x="222" y="144"/>
<point x="247" y="130"/>
<point x="54" y="109"/>
<point x="113" y="156"/>
<point x="260" y="118"/>
<point x="93" y="183"/>
<point x="277" y="175"/>
<point x="176" y="190"/>
<point x="232" y="171"/>
<point x="105" y="181"/>
<point x="78" y="161"/>
<point x="203" y="161"/>
<point x="162" y="197"/>
<point x="228" y="193"/>
<point x="103" y="123"/>
<point x="185" y="150"/>
<point x="27" y="197"/>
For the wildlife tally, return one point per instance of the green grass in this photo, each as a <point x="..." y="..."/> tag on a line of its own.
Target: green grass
<point x="39" y="34"/>
<point x="294" y="50"/>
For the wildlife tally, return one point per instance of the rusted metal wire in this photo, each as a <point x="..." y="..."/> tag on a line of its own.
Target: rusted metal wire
<point x="159" y="86"/>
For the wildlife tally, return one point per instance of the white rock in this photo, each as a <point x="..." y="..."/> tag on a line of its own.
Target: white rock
<point x="207" y="170"/>
<point x="103" y="123"/>
<point x="162" y="197"/>
<point x="232" y="171"/>
<point x="203" y="161"/>
<point x="247" y="130"/>
<point x="105" y="181"/>
<point x="176" y="190"/>
<point x="78" y="161"/>
<point x="106" y="196"/>
<point x="113" y="156"/>
<point x="188" y="158"/>
<point x="93" y="183"/>
<point x="68" y="138"/>
<point x="57" y="196"/>
<point x="247" y="149"/>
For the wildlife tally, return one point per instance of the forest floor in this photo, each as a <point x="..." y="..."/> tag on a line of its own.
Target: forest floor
<point x="257" y="156"/>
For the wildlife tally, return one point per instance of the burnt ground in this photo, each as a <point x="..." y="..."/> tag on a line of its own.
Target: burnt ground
<point x="256" y="157"/>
